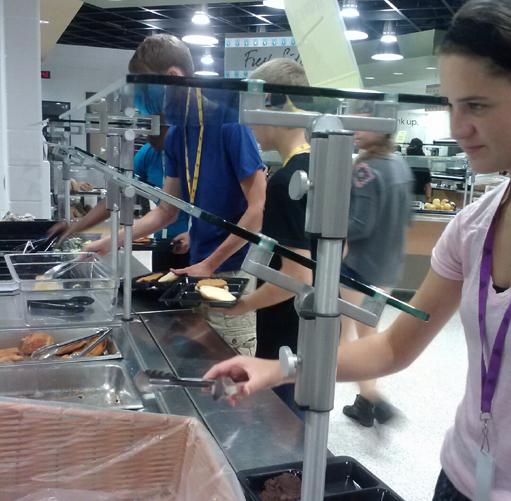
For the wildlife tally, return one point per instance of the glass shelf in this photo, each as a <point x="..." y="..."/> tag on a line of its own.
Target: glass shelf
<point x="191" y="102"/>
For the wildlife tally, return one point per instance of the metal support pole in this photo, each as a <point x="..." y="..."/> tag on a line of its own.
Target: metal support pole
<point x="126" y="216"/>
<point x="327" y="217"/>
<point x="66" y="176"/>
<point x="126" y="219"/>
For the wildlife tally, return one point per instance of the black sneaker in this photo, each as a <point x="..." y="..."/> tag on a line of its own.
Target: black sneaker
<point x="383" y="411"/>
<point x="361" y="411"/>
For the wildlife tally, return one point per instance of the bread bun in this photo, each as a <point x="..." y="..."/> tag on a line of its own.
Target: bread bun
<point x="149" y="278"/>
<point x="216" y="294"/>
<point x="169" y="277"/>
<point x="212" y="282"/>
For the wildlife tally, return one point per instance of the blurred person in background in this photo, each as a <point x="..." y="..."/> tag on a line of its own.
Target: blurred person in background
<point x="380" y="212"/>
<point x="148" y="167"/>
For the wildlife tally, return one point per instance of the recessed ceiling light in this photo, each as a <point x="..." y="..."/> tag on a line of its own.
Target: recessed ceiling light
<point x="206" y="73"/>
<point x="397" y="73"/>
<point x="43" y="21"/>
<point x="200" y="17"/>
<point x="200" y="39"/>
<point x="388" y="38"/>
<point x="389" y="33"/>
<point x="349" y="8"/>
<point x="387" y="52"/>
<point x="431" y="67"/>
<point x="207" y="59"/>
<point x="369" y="78"/>
<point x="387" y="57"/>
<point x="274" y="4"/>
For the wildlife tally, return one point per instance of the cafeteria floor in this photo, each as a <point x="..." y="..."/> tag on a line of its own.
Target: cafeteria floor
<point x="405" y="453"/>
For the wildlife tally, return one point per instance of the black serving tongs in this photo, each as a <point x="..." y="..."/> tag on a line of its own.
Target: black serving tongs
<point x="149" y="380"/>
<point x="74" y="304"/>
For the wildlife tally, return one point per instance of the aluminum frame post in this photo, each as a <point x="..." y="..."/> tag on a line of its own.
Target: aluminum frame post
<point x="126" y="216"/>
<point x="66" y="177"/>
<point x="327" y="218"/>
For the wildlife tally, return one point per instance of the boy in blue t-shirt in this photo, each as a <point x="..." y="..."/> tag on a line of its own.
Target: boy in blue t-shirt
<point x="219" y="171"/>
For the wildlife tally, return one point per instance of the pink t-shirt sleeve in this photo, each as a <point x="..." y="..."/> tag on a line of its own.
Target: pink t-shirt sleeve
<point x="446" y="259"/>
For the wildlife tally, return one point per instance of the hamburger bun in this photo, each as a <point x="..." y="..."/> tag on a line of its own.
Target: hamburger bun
<point x="169" y="277"/>
<point x="216" y="294"/>
<point x="212" y="282"/>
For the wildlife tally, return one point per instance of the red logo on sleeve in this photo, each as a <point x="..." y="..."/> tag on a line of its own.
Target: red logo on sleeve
<point x="362" y="175"/>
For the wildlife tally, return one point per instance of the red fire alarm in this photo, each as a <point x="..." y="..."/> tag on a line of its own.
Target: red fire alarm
<point x="45" y="74"/>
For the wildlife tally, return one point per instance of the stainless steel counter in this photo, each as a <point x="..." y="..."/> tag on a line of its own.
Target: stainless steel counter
<point x="260" y="431"/>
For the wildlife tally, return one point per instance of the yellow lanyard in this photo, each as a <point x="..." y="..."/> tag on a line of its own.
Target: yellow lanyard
<point x="301" y="148"/>
<point x="192" y="185"/>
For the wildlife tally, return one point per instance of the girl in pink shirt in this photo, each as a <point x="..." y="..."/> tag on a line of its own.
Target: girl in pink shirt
<point x="470" y="270"/>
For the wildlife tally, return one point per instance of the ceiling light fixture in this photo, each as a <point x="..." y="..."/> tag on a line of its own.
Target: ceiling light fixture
<point x="389" y="33"/>
<point x="431" y="67"/>
<point x="274" y="4"/>
<point x="397" y="73"/>
<point x="353" y="30"/>
<point x="200" y="39"/>
<point x="206" y="73"/>
<point x="387" y="52"/>
<point x="349" y="8"/>
<point x="43" y="21"/>
<point x="200" y="17"/>
<point x="207" y="59"/>
<point x="369" y="78"/>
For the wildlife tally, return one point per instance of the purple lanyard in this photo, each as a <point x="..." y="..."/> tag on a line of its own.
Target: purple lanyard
<point x="490" y="377"/>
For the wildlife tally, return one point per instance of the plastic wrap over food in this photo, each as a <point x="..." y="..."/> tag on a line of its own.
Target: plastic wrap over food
<point x="63" y="453"/>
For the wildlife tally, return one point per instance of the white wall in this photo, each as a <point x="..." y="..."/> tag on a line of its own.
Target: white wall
<point x="26" y="176"/>
<point x="76" y="70"/>
<point x="426" y="125"/>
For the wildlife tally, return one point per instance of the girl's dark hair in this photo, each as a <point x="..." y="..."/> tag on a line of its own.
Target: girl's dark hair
<point x="482" y="28"/>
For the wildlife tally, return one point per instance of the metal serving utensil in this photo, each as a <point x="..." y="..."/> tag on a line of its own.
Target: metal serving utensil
<point x="53" y="350"/>
<point x="149" y="380"/>
<point x="61" y="268"/>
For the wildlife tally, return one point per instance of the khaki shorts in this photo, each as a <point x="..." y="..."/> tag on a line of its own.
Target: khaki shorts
<point x="238" y="331"/>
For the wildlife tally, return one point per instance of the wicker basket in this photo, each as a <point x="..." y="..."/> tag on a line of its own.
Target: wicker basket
<point x="60" y="452"/>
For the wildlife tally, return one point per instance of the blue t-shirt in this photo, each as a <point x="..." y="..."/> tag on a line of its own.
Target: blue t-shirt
<point x="148" y="167"/>
<point x="229" y="155"/>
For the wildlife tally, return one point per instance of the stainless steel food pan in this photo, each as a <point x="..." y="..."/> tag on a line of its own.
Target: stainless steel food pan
<point x="12" y="338"/>
<point x="96" y="384"/>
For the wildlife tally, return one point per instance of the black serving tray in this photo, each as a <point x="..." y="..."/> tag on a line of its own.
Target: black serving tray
<point x="183" y="292"/>
<point x="154" y="286"/>
<point x="346" y="480"/>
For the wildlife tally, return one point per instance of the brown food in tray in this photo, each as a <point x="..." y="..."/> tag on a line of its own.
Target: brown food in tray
<point x="97" y="350"/>
<point x="70" y="348"/>
<point x="8" y="355"/>
<point x="34" y="341"/>
<point x="283" y="487"/>
<point x="149" y="278"/>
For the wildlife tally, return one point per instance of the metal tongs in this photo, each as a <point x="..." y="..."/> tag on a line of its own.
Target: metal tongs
<point x="149" y="380"/>
<point x="61" y="268"/>
<point x="39" y="245"/>
<point x="52" y="350"/>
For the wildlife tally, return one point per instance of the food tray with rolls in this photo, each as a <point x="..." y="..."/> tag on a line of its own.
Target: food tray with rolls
<point x="84" y="292"/>
<point x="189" y="291"/>
<point x="17" y="345"/>
<point x="60" y="451"/>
